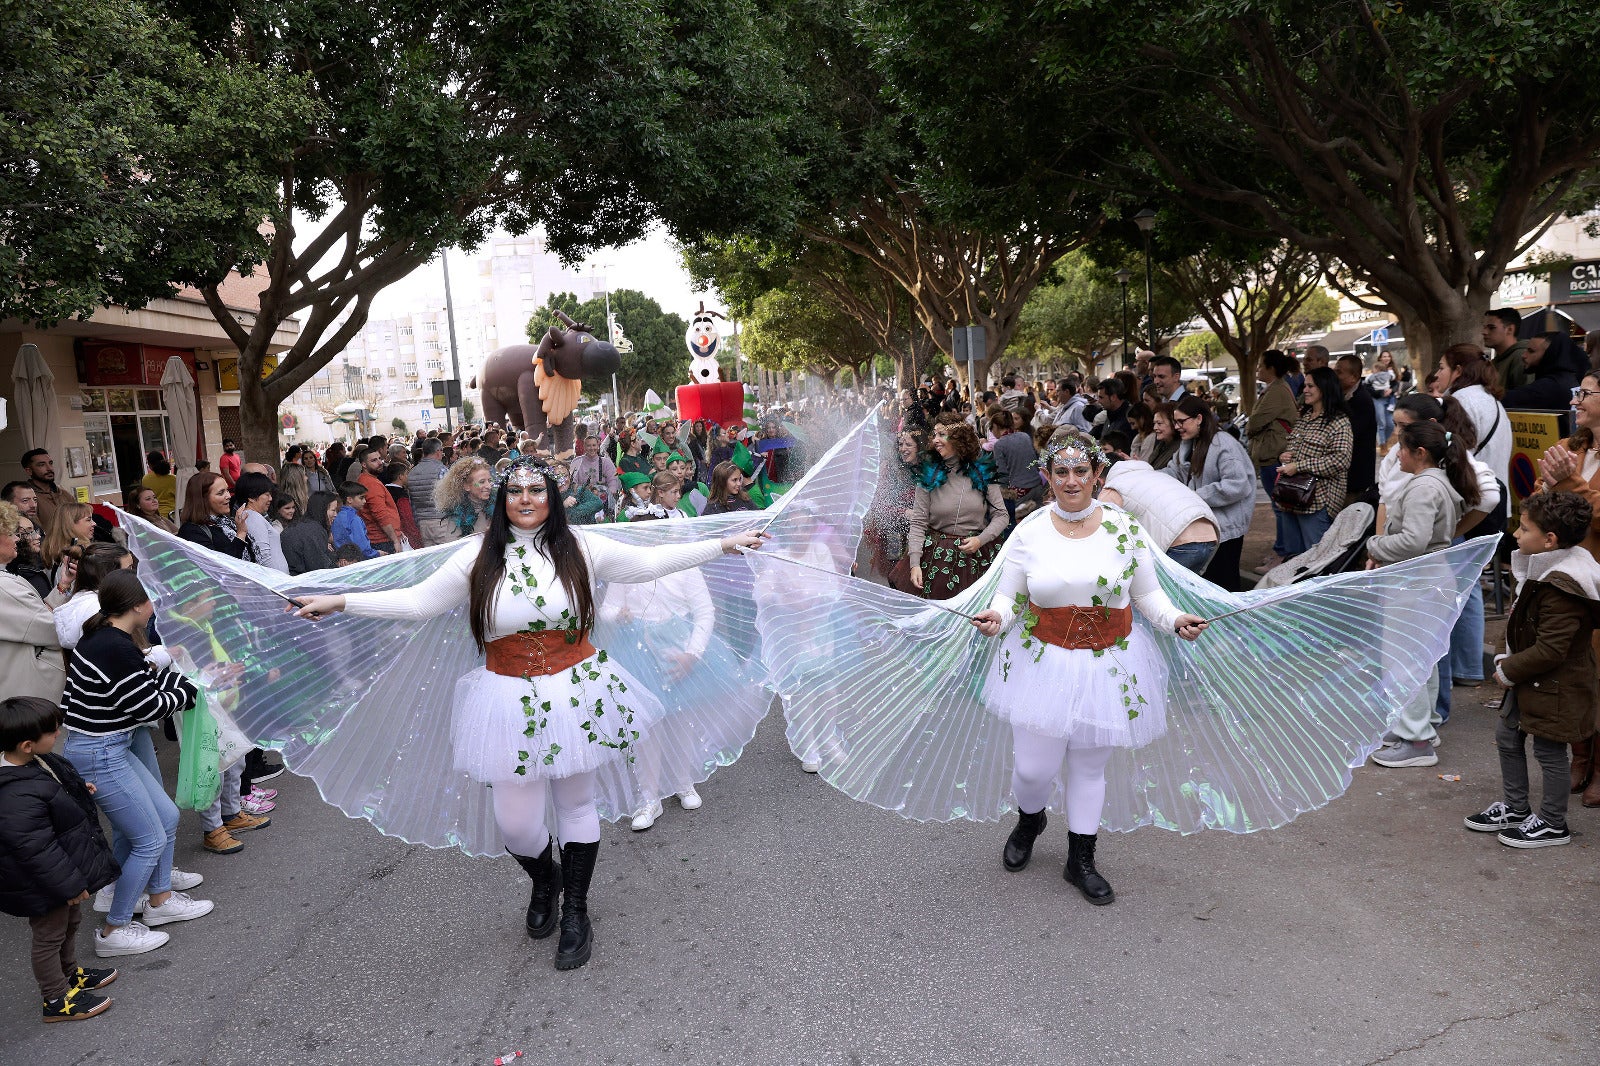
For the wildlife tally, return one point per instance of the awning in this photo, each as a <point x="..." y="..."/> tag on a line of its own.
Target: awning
<point x="1587" y="315"/>
<point x="1559" y="317"/>
<point x="1343" y="341"/>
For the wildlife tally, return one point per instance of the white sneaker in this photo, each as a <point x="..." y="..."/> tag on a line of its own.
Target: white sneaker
<point x="179" y="907"/>
<point x="130" y="939"/>
<point x="689" y="800"/>
<point x="647" y="817"/>
<point x="106" y="896"/>
<point x="183" y="881"/>
<point x="810" y="766"/>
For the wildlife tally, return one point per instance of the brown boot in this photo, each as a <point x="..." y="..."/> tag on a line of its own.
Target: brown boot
<point x="221" y="842"/>
<point x="1591" y="795"/>
<point x="1582" y="764"/>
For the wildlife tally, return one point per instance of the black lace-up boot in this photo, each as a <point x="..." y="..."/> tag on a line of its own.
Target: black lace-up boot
<point x="577" y="868"/>
<point x="1080" y="869"/>
<point x="1019" y="845"/>
<point x="546" y="885"/>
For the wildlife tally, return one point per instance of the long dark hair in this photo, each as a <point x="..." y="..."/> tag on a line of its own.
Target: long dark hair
<point x="317" y="509"/>
<point x="98" y="562"/>
<point x="1448" y="452"/>
<point x="120" y="592"/>
<point x="1192" y="406"/>
<point x="555" y="540"/>
<point x="1327" y="383"/>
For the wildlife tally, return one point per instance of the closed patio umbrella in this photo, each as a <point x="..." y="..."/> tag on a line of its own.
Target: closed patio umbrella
<point x="177" y="388"/>
<point x="36" y="399"/>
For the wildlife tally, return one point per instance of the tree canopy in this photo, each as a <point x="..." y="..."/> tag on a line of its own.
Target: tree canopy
<point x="442" y="121"/>
<point x="129" y="161"/>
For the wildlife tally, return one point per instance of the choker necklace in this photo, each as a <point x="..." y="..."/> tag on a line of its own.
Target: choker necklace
<point x="1073" y="516"/>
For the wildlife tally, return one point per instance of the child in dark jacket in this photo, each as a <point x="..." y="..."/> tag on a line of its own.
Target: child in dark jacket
<point x="1549" y="668"/>
<point x="53" y="855"/>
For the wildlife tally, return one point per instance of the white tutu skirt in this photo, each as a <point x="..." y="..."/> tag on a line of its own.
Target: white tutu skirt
<point x="1110" y="699"/>
<point x="575" y="720"/>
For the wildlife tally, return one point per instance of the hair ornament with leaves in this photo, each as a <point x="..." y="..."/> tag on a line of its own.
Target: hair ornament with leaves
<point x="1074" y="446"/>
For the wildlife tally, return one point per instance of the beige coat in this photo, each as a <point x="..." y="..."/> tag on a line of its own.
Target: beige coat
<point x="31" y="661"/>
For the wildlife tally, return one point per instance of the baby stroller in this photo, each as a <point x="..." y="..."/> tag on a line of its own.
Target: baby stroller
<point x="1339" y="549"/>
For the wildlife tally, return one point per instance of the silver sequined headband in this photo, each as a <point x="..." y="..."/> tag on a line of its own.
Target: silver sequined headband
<point x="530" y="471"/>
<point x="1073" y="449"/>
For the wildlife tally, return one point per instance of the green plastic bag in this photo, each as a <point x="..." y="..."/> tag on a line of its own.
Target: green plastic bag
<point x="199" y="769"/>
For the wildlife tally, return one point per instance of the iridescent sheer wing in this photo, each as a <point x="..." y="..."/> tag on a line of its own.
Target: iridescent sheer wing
<point x="362" y="706"/>
<point x="1266" y="715"/>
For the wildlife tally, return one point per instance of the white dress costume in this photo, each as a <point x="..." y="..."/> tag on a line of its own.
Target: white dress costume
<point x="550" y="726"/>
<point x="1110" y="698"/>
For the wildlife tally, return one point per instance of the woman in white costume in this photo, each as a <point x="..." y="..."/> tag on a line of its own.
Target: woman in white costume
<point x="547" y="710"/>
<point x="1073" y="676"/>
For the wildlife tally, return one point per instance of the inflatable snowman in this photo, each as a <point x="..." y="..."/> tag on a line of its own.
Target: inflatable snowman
<point x="708" y="397"/>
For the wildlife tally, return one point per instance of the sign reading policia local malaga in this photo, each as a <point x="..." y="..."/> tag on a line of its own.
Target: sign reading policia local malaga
<point x="1532" y="433"/>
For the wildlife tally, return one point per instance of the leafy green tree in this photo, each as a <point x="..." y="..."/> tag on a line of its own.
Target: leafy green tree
<point x="469" y="410"/>
<point x="1199" y="349"/>
<point x="797" y="328"/>
<point x="398" y="425"/>
<point x="443" y="121"/>
<point x="127" y="159"/>
<point x="660" y="357"/>
<point x="744" y="270"/>
<point x="1076" y="315"/>
<point x="1251" y="299"/>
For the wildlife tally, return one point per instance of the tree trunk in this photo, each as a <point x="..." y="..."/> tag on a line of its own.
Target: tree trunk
<point x="258" y="420"/>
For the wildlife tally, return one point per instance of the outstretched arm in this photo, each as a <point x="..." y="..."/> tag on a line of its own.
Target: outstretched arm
<point x="446" y="588"/>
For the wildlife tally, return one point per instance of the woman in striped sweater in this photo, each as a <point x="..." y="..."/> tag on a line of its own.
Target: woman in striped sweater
<point x="112" y="690"/>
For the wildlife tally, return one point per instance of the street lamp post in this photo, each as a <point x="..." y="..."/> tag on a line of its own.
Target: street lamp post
<point x="450" y="318"/>
<point x="1124" y="276"/>
<point x="1146" y="221"/>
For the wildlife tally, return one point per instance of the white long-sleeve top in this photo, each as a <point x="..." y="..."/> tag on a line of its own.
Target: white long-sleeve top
<point x="677" y="596"/>
<point x="1052" y="570"/>
<point x="529" y="592"/>
<point x="71" y="616"/>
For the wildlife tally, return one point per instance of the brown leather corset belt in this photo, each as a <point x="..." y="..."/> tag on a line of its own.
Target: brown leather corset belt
<point x="1081" y="628"/>
<point x="536" y="654"/>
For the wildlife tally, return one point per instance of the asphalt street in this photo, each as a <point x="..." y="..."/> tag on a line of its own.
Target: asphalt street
<point x="785" y="923"/>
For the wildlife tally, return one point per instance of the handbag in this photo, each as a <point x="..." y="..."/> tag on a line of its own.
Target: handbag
<point x="1295" y="492"/>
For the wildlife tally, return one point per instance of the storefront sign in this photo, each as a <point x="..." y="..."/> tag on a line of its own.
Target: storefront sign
<point x="1521" y="288"/>
<point x="1532" y="434"/>
<point x="109" y="364"/>
<point x="1582" y="281"/>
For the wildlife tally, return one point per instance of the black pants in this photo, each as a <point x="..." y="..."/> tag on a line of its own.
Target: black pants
<point x="1553" y="766"/>
<point x="1223" y="570"/>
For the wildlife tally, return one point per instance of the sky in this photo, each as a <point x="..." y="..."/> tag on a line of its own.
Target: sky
<point x="650" y="266"/>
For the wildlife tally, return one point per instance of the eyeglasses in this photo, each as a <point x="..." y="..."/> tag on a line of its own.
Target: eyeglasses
<point x="1184" y="420"/>
<point x="1580" y="394"/>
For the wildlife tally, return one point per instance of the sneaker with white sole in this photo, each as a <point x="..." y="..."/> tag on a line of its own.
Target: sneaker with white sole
<point x="1535" y="833"/>
<point x="1391" y="737"/>
<point x="647" y="817"/>
<point x="253" y="804"/>
<point x="130" y="939"/>
<point x="179" y="907"/>
<point x="106" y="896"/>
<point x="263" y="793"/>
<point x="183" y="880"/>
<point x="689" y="799"/>
<point x="1403" y="753"/>
<point x="1494" y="818"/>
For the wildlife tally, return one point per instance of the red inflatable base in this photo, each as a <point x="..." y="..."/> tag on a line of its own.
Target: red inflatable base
<point x="722" y="403"/>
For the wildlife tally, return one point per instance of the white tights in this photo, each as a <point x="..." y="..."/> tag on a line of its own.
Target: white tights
<point x="1036" y="763"/>
<point x="519" y="809"/>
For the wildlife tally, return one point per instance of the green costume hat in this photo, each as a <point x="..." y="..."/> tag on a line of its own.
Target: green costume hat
<point x="679" y="457"/>
<point x="660" y="446"/>
<point x="633" y="480"/>
<point x="742" y="459"/>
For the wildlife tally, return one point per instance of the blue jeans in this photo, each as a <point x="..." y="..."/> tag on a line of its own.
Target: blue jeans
<point x="1194" y="556"/>
<point x="1269" y="481"/>
<point x="1465" y="657"/>
<point x="1384" y="409"/>
<point x="1303" y="531"/>
<point x="143" y="817"/>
